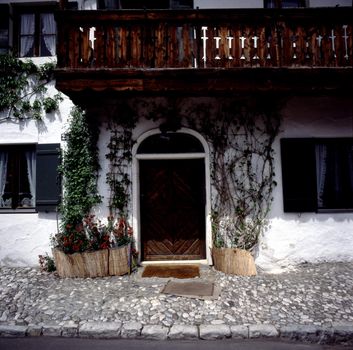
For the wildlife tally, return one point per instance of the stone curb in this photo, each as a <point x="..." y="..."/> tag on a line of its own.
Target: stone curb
<point x="337" y="333"/>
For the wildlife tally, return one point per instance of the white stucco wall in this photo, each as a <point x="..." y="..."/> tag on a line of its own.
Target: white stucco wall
<point x="328" y="3"/>
<point x="291" y="238"/>
<point x="212" y="4"/>
<point x="294" y="238"/>
<point x="24" y="236"/>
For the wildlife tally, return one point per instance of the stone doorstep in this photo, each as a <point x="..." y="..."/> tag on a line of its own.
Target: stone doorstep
<point x="338" y="333"/>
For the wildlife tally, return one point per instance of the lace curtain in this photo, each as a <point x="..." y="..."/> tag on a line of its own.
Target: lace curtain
<point x="3" y="174"/>
<point x="48" y="32"/>
<point x="31" y="171"/>
<point x="334" y="175"/>
<point x="27" y="34"/>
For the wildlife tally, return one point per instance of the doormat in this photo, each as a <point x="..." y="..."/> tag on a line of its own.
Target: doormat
<point x="192" y="289"/>
<point x="171" y="270"/>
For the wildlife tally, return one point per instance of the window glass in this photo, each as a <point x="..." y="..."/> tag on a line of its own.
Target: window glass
<point x="47" y="34"/>
<point x="37" y="34"/>
<point x="334" y="171"/>
<point x="317" y="174"/>
<point x="27" y="32"/>
<point x="17" y="177"/>
<point x="170" y="143"/>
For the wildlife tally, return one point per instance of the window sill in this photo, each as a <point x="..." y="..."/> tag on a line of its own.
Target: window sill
<point x="334" y="211"/>
<point x="18" y="211"/>
<point x="40" y="60"/>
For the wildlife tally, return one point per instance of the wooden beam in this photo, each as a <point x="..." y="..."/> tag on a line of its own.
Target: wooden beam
<point x="205" y="81"/>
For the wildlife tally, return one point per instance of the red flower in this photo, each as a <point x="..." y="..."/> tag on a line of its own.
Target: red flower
<point x="104" y="246"/>
<point x="76" y="247"/>
<point x="79" y="228"/>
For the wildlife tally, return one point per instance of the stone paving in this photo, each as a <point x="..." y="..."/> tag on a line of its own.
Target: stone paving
<point x="312" y="299"/>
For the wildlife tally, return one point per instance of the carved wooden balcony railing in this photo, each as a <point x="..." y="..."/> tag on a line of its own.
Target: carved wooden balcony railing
<point x="204" y="51"/>
<point x="205" y="38"/>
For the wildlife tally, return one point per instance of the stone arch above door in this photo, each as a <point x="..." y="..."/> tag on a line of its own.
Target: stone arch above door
<point x="171" y="196"/>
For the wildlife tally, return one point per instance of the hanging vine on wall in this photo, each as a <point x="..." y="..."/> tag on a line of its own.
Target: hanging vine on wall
<point x="240" y="133"/>
<point x="23" y="88"/>
<point x="120" y="156"/>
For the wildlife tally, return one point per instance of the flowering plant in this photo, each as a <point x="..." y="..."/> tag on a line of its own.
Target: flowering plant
<point x="98" y="234"/>
<point x="72" y="239"/>
<point x="92" y="234"/>
<point x="46" y="263"/>
<point x="121" y="231"/>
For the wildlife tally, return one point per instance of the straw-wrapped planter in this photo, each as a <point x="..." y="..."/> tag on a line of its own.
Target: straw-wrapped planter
<point x="119" y="261"/>
<point x="100" y="263"/>
<point x="234" y="261"/>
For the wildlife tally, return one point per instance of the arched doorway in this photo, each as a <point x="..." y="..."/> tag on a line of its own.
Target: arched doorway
<point x="172" y="199"/>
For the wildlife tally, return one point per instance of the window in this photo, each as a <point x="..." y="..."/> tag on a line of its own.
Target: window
<point x="170" y="143"/>
<point x="36" y="31"/>
<point x="317" y="174"/>
<point x="17" y="181"/>
<point x="28" y="177"/>
<point x="284" y="3"/>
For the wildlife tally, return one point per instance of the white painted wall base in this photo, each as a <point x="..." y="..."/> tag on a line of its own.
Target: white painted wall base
<point x="294" y="239"/>
<point x="24" y="237"/>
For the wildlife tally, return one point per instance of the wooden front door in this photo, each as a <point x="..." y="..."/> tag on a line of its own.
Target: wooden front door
<point x="172" y="209"/>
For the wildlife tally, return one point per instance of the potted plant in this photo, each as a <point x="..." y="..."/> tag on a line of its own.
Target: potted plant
<point x="86" y="246"/>
<point x="241" y="135"/>
<point x="121" y="253"/>
<point x="232" y="246"/>
<point x="93" y="248"/>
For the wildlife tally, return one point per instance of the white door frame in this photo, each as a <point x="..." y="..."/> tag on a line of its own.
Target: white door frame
<point x="136" y="184"/>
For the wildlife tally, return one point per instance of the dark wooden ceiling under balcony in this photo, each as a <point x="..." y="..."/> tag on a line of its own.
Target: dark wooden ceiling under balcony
<point x="204" y="51"/>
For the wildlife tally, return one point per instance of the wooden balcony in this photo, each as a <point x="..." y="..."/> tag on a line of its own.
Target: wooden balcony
<point x="205" y="50"/>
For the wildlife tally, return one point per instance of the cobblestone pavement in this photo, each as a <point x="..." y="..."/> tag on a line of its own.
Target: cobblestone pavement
<point x="318" y="296"/>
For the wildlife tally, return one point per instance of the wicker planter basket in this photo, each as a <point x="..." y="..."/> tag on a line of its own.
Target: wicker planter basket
<point x="99" y="263"/>
<point x="119" y="262"/>
<point x="234" y="261"/>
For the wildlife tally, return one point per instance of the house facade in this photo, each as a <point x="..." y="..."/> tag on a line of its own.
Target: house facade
<point x="168" y="75"/>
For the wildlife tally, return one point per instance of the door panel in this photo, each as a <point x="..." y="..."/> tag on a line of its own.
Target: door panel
<point x="172" y="209"/>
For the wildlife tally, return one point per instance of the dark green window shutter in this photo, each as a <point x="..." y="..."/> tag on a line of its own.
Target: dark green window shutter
<point x="298" y="175"/>
<point x="47" y="181"/>
<point x="4" y="28"/>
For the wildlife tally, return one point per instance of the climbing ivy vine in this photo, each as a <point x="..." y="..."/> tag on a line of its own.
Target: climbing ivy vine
<point x="120" y="156"/>
<point x="79" y="169"/>
<point x="22" y="89"/>
<point x="240" y="133"/>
